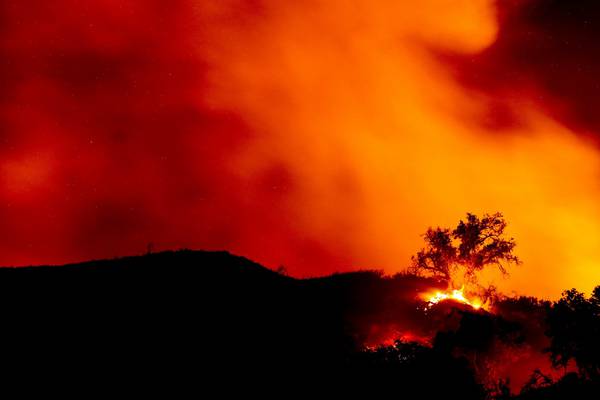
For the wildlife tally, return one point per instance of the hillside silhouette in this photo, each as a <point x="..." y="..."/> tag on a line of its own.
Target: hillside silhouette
<point x="174" y="314"/>
<point x="213" y="294"/>
<point x="190" y="319"/>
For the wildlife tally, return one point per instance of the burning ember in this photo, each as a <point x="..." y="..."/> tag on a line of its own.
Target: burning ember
<point x="455" y="295"/>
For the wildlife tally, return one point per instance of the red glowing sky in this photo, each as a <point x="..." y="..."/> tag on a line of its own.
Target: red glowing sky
<point x="319" y="135"/>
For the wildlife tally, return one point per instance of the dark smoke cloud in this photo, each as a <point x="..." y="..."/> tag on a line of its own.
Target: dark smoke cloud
<point x="547" y="50"/>
<point x="101" y="127"/>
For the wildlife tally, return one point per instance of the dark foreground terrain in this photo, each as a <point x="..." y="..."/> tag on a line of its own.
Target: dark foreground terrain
<point x="181" y="321"/>
<point x="186" y="316"/>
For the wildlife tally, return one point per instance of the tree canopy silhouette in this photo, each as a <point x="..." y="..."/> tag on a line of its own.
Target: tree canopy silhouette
<point x="574" y="331"/>
<point x="473" y="245"/>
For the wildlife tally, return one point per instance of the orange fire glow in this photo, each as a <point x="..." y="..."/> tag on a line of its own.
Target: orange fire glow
<point x="380" y="142"/>
<point x="457" y="295"/>
<point x="323" y="135"/>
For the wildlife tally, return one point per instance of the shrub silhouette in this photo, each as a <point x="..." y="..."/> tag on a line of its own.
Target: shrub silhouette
<point x="574" y="330"/>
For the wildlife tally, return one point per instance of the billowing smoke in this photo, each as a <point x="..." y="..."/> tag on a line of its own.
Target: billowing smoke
<point x="321" y="135"/>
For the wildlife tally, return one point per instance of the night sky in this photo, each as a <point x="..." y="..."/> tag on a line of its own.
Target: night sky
<point x="318" y="135"/>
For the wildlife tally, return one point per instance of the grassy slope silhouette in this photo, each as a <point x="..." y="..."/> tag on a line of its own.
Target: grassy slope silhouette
<point x="192" y="318"/>
<point x="178" y="313"/>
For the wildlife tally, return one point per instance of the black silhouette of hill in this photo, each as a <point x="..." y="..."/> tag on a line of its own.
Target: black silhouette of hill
<point x="188" y="321"/>
<point x="214" y="294"/>
<point x="197" y="316"/>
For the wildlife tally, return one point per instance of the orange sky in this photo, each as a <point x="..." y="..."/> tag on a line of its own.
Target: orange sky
<point x="382" y="142"/>
<point x="319" y="135"/>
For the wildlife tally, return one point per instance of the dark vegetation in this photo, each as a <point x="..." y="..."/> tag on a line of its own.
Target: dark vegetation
<point x="473" y="245"/>
<point x="192" y="319"/>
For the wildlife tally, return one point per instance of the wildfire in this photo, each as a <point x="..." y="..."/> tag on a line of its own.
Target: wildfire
<point x="455" y="295"/>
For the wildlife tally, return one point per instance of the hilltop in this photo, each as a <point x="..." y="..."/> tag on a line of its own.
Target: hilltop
<point x="198" y="317"/>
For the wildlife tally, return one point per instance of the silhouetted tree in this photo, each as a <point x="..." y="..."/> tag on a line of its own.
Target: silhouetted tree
<point x="470" y="247"/>
<point x="536" y="381"/>
<point x="489" y="294"/>
<point x="439" y="256"/>
<point x="574" y="331"/>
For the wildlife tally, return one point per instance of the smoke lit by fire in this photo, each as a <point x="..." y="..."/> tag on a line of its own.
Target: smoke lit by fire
<point x="319" y="135"/>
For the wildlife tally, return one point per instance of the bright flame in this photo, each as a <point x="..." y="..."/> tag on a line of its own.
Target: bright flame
<point x="456" y="295"/>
